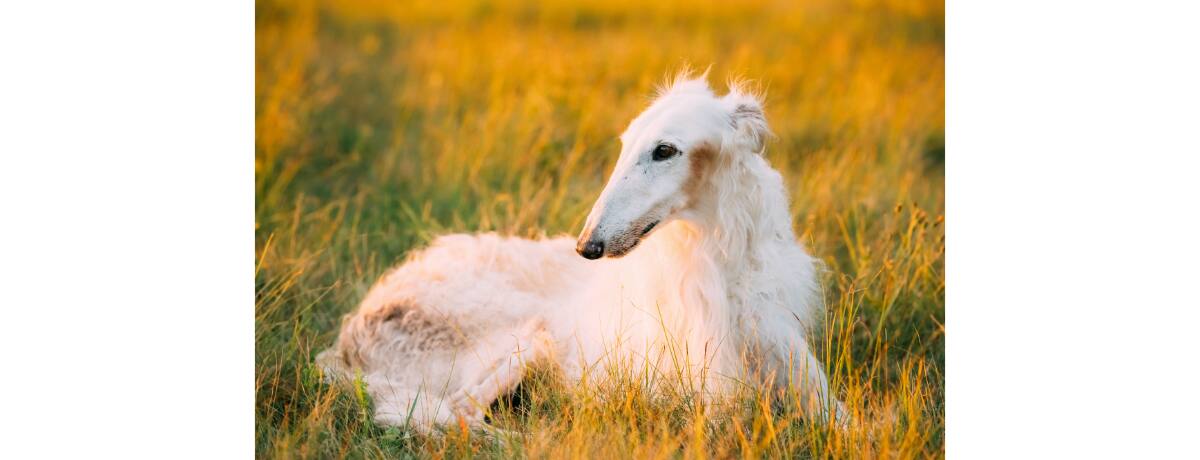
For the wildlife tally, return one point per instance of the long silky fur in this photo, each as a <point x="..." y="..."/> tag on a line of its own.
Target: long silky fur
<point x="720" y="294"/>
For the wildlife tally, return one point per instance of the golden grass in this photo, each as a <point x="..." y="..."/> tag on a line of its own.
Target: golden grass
<point x="380" y="124"/>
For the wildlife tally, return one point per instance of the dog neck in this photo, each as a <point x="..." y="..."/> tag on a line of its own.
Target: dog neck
<point x="706" y="265"/>
<point x="736" y="230"/>
<point x="742" y="215"/>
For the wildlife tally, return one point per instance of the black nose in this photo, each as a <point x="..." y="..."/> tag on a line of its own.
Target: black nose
<point x="592" y="250"/>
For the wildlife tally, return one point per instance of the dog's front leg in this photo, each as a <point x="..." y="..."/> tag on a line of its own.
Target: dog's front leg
<point x="807" y="376"/>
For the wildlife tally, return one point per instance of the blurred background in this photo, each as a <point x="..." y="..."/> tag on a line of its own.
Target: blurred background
<point x="380" y="124"/>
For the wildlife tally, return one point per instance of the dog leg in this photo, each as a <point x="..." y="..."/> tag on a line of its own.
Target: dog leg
<point x="815" y="399"/>
<point x="504" y="371"/>
<point x="421" y="408"/>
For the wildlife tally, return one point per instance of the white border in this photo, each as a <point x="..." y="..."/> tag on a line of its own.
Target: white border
<point x="126" y="186"/>
<point x="1073" y="189"/>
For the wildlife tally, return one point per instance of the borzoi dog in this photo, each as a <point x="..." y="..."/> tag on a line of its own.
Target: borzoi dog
<point x="689" y="268"/>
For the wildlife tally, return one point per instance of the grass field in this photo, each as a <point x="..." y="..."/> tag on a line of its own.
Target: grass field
<point x="381" y="124"/>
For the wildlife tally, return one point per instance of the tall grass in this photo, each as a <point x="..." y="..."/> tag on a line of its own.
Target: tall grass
<point x="381" y="124"/>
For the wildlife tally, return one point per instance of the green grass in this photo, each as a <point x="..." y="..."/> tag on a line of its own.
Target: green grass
<point x="380" y="125"/>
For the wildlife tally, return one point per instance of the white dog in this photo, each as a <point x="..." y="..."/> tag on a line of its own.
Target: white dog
<point x="694" y="271"/>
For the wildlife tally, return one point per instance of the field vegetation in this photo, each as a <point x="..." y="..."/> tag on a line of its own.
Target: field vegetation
<point x="381" y="124"/>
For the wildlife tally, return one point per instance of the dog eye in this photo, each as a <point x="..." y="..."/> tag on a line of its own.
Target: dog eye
<point x="664" y="151"/>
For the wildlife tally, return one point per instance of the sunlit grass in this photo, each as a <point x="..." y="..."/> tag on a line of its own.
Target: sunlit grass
<point x="381" y="124"/>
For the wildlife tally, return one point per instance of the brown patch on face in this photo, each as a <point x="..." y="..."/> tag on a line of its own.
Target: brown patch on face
<point x="702" y="160"/>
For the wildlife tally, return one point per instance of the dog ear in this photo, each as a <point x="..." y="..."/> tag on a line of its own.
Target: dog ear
<point x="746" y="115"/>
